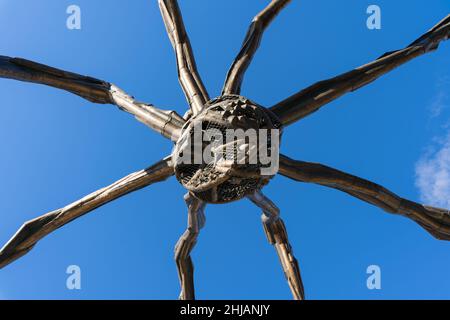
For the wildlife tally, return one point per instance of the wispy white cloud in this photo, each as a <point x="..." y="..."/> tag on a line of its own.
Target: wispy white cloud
<point x="440" y="100"/>
<point x="433" y="174"/>
<point x="433" y="168"/>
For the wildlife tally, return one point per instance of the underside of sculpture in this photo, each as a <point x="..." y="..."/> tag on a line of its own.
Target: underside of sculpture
<point x="215" y="170"/>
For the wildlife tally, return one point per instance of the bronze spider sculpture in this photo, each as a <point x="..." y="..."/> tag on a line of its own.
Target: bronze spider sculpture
<point x="230" y="182"/>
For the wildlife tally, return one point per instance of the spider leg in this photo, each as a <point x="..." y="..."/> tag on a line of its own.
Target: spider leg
<point x="188" y="76"/>
<point x="34" y="230"/>
<point x="166" y="122"/>
<point x="311" y="99"/>
<point x="436" y="221"/>
<point x="252" y="40"/>
<point x="277" y="235"/>
<point x="184" y="246"/>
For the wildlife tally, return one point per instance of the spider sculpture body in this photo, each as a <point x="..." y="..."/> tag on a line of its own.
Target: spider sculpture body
<point x="219" y="180"/>
<point x="223" y="178"/>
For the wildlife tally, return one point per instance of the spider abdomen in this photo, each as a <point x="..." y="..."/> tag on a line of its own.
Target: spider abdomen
<point x="227" y="150"/>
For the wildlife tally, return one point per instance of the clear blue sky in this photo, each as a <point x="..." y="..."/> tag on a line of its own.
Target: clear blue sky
<point x="57" y="147"/>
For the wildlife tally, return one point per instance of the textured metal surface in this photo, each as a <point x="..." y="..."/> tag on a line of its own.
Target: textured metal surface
<point x="184" y="246"/>
<point x="436" y="221"/>
<point x="235" y="76"/>
<point x="311" y="99"/>
<point x="226" y="179"/>
<point x="190" y="80"/>
<point x="276" y="233"/>
<point x="33" y="231"/>
<point x="218" y="182"/>
<point x="166" y="122"/>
